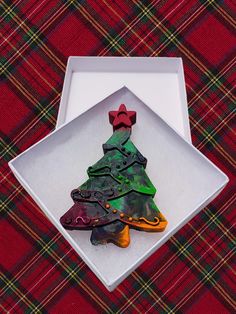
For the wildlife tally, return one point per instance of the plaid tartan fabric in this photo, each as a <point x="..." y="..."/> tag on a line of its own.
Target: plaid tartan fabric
<point x="40" y="272"/>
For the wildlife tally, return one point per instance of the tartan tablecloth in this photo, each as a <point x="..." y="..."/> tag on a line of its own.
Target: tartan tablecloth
<point x="40" y="273"/>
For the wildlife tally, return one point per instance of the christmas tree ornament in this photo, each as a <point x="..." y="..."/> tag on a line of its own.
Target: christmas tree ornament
<point x="118" y="194"/>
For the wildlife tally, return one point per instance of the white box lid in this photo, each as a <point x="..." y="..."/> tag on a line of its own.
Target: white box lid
<point x="186" y="181"/>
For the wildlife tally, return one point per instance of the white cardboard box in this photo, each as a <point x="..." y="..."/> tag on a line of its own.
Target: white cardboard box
<point x="159" y="82"/>
<point x="186" y="180"/>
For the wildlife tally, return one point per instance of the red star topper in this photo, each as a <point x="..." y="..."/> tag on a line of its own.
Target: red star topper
<point x="122" y="118"/>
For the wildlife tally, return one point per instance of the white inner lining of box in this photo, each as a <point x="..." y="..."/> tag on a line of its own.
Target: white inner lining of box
<point x="159" y="82"/>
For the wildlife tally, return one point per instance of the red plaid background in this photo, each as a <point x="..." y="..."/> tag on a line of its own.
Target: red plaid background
<point x="40" y="273"/>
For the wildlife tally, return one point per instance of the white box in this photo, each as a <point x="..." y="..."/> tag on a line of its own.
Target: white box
<point x="186" y="181"/>
<point x="159" y="82"/>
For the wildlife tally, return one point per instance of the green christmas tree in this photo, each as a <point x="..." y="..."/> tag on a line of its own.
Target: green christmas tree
<point x="118" y="194"/>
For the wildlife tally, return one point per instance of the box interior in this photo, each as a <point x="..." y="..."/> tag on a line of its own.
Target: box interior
<point x="184" y="178"/>
<point x="89" y="80"/>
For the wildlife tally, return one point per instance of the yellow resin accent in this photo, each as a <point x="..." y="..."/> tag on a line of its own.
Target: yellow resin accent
<point x="121" y="239"/>
<point x="145" y="225"/>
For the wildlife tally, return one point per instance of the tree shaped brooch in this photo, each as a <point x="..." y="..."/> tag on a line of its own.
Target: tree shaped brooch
<point x="118" y="194"/>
